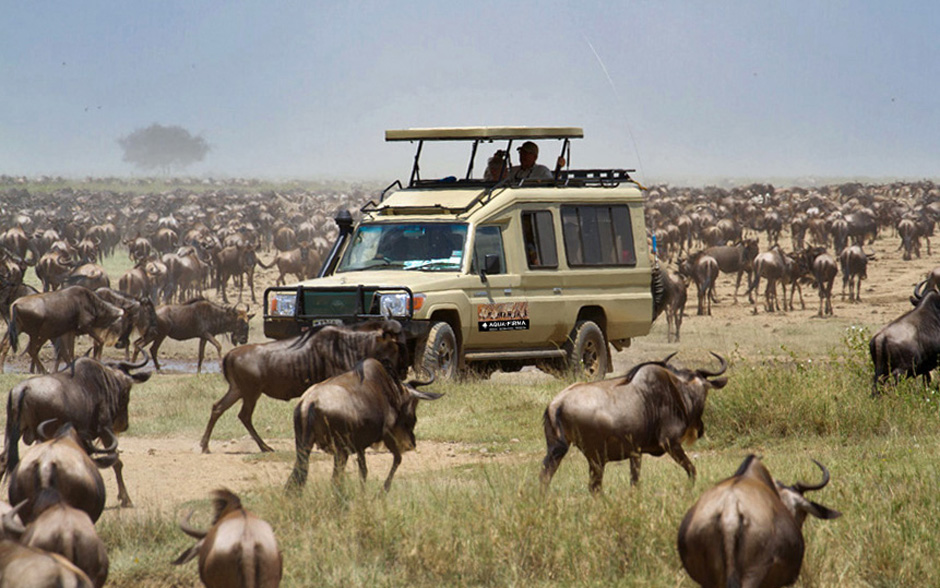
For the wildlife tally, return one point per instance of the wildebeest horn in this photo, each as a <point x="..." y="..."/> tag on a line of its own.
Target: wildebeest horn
<point x="189" y="530"/>
<point x="126" y="367"/>
<point x="919" y="291"/>
<point x="112" y="443"/>
<point x="721" y="369"/>
<point x="42" y="431"/>
<point x="670" y="356"/>
<point x="11" y="524"/>
<point x="802" y="487"/>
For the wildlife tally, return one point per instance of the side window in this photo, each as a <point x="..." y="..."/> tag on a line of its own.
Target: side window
<point x="538" y="235"/>
<point x="598" y="235"/>
<point x="489" y="241"/>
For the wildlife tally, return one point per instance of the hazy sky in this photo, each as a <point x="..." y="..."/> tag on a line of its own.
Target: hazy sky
<point x="306" y="89"/>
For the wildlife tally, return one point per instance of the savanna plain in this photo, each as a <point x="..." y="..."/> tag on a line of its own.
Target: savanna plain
<point x="466" y="508"/>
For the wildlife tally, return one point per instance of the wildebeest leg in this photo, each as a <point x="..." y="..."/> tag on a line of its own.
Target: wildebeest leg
<point x="223" y="404"/>
<point x="553" y="457"/>
<point x="123" y="497"/>
<point x="202" y="349"/>
<point x="33" y="350"/>
<point x="596" y="473"/>
<point x="635" y="469"/>
<point x="363" y="471"/>
<point x="340" y="457"/>
<point x="396" y="461"/>
<point x="678" y="454"/>
<point x="154" y="349"/>
<point x="244" y="415"/>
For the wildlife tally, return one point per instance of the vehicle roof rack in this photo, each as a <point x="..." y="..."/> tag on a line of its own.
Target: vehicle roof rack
<point x="483" y="133"/>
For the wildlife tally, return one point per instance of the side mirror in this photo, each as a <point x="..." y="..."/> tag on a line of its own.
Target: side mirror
<point x="491" y="263"/>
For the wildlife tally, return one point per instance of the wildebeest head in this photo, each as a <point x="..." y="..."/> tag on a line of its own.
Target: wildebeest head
<point x="240" y="332"/>
<point x="798" y="505"/>
<point x="404" y="429"/>
<point x="700" y="382"/>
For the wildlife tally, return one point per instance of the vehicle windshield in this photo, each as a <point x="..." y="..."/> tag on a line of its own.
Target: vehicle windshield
<point x="409" y="246"/>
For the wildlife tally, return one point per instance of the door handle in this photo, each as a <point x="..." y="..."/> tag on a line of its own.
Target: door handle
<point x="556" y="290"/>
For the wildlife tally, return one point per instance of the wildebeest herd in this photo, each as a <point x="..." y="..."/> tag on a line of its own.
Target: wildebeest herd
<point x="352" y="382"/>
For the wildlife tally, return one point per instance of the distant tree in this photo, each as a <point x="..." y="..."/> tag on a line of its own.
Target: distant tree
<point x="160" y="147"/>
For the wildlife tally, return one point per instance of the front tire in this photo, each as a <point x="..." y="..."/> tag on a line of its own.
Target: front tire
<point x="587" y="352"/>
<point x="439" y="354"/>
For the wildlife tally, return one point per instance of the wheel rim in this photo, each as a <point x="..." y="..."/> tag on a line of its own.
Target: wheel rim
<point x="590" y="358"/>
<point x="445" y="356"/>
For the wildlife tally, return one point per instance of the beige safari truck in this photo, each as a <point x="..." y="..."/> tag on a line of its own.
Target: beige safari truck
<point x="489" y="274"/>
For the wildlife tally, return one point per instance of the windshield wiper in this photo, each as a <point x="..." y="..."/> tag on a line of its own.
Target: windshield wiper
<point x="434" y="263"/>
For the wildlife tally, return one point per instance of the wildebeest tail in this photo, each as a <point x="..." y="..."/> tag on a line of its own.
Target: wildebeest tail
<point x="556" y="443"/>
<point x="731" y="526"/>
<point x="13" y="332"/>
<point x="303" y="428"/>
<point x="11" y="452"/>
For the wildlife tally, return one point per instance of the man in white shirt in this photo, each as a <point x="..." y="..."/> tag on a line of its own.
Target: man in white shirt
<point x="527" y="168"/>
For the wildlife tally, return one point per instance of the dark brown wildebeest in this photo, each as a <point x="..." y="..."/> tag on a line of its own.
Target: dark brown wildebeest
<point x="798" y="226"/>
<point x="238" y="551"/>
<point x="676" y="294"/>
<point x="747" y="530"/>
<point x="165" y="240"/>
<point x="653" y="409"/>
<point x="910" y="239"/>
<point x="854" y="265"/>
<point x="236" y="262"/>
<point x="90" y="275"/>
<point x="839" y="229"/>
<point x="910" y="344"/>
<point x="92" y="396"/>
<point x="139" y="314"/>
<point x="52" y="269"/>
<point x="303" y="262"/>
<point x="28" y="566"/>
<point x="58" y="527"/>
<point x="736" y="259"/>
<point x="703" y="270"/>
<point x="772" y="266"/>
<point x="61" y="462"/>
<point x="107" y="237"/>
<point x="824" y="271"/>
<point x="74" y="310"/>
<point x="135" y="281"/>
<point x="139" y="248"/>
<point x="285" y="369"/>
<point x="185" y="273"/>
<point x="352" y="411"/>
<point x="196" y="319"/>
<point x="285" y="238"/>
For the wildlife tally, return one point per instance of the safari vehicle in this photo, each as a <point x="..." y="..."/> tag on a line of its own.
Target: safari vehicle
<point x="487" y="275"/>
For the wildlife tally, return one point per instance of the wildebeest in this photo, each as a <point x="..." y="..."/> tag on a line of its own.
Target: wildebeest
<point x="910" y="239"/>
<point x="352" y="411"/>
<point x="285" y="369"/>
<point x="48" y="315"/>
<point x="62" y="461"/>
<point x="60" y="528"/>
<point x="824" y="271"/>
<point x="239" y="550"/>
<point x="28" y="566"/>
<point x="735" y="259"/>
<point x="703" y="270"/>
<point x="747" y="530"/>
<point x="197" y="318"/>
<point x="676" y="294"/>
<point x="303" y="262"/>
<point x="853" y="262"/>
<point x="773" y="266"/>
<point x="910" y="344"/>
<point x="653" y="409"/>
<point x="139" y="314"/>
<point x="92" y="396"/>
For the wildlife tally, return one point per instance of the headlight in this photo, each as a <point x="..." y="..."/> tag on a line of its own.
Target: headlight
<point x="284" y="304"/>
<point x="394" y="304"/>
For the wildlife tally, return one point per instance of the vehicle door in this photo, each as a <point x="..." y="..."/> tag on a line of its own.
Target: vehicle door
<point x="499" y="313"/>
<point x="549" y="320"/>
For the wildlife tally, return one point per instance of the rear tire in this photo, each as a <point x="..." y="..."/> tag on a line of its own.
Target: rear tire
<point x="587" y="352"/>
<point x="439" y="354"/>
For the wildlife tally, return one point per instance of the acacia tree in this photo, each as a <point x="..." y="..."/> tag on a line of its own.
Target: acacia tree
<point x="160" y="147"/>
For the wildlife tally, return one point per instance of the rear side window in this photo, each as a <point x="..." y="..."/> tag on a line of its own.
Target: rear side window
<point x="538" y="234"/>
<point x="598" y="235"/>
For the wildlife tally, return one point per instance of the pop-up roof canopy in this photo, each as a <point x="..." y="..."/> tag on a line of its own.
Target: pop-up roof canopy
<point x="483" y="133"/>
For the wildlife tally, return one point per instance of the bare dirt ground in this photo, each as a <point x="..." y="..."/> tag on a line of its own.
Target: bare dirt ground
<point x="162" y="473"/>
